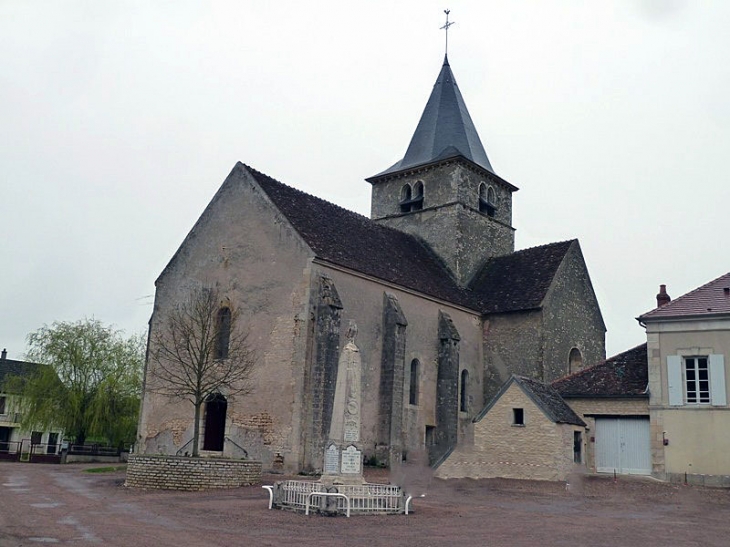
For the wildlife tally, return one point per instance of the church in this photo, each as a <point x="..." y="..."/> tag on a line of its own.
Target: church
<point x="445" y="309"/>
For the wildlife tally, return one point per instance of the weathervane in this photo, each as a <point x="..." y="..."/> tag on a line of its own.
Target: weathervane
<point x="446" y="28"/>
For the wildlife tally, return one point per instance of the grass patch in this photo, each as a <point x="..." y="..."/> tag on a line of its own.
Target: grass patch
<point x="110" y="469"/>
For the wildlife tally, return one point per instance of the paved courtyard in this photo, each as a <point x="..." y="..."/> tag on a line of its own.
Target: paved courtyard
<point x="65" y="505"/>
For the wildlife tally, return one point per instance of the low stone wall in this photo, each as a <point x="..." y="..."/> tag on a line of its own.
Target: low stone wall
<point x="181" y="473"/>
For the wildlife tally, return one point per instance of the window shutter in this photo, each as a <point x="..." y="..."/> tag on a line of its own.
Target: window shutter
<point x="674" y="379"/>
<point x="717" y="380"/>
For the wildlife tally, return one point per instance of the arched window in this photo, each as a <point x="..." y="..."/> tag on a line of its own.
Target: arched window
<point x="575" y="361"/>
<point x="463" y="403"/>
<point x="405" y="198"/>
<point x="411" y="199"/>
<point x="223" y="333"/>
<point x="487" y="200"/>
<point x="417" y="197"/>
<point x="216" y="407"/>
<point x="413" y="386"/>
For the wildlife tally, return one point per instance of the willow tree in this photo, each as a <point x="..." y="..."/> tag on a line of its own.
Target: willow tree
<point x="90" y="386"/>
<point x="198" y="350"/>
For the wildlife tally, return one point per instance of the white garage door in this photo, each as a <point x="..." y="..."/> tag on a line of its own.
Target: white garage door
<point x="622" y="445"/>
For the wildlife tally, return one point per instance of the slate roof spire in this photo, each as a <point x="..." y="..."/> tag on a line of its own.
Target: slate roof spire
<point x="445" y="130"/>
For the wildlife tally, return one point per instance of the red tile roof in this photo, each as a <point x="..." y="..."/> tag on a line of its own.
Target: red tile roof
<point x="712" y="298"/>
<point x="623" y="375"/>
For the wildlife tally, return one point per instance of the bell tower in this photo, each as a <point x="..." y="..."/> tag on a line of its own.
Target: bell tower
<point x="444" y="190"/>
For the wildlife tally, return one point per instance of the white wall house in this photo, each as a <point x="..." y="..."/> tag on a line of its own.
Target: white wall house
<point x="14" y="440"/>
<point x="688" y="347"/>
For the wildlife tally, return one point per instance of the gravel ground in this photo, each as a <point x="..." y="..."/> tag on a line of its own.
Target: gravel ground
<point x="65" y="505"/>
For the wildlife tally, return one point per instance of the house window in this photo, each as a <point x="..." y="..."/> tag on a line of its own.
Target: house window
<point x="35" y="437"/>
<point x="487" y="200"/>
<point x="2" y="405"/>
<point x="463" y="403"/>
<point x="223" y="333"/>
<point x="52" y="443"/>
<point x="518" y="416"/>
<point x="577" y="447"/>
<point x="411" y="199"/>
<point x="413" y="386"/>
<point x="697" y="378"/>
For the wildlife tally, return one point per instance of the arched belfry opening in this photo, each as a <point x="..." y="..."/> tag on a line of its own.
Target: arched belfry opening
<point x="575" y="361"/>
<point x="216" y="407"/>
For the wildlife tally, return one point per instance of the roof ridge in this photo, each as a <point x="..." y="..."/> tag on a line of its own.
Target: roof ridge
<point x="686" y="295"/>
<point x="554" y="243"/>
<point x="272" y="179"/>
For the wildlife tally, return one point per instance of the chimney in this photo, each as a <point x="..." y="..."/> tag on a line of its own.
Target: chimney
<point x="4" y="355"/>
<point x="662" y="298"/>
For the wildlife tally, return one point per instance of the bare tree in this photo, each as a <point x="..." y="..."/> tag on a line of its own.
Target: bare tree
<point x="198" y="349"/>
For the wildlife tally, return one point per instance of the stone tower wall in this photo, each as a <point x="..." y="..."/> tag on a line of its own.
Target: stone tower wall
<point x="450" y="221"/>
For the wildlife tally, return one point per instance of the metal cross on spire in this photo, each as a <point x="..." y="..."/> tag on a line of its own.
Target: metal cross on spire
<point x="446" y="28"/>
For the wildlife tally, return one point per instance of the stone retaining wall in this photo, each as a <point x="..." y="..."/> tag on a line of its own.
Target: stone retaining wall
<point x="181" y="473"/>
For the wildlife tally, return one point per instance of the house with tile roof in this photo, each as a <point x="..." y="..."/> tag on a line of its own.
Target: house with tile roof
<point x="688" y="346"/>
<point x="612" y="397"/>
<point x="446" y="309"/>
<point x="527" y="431"/>
<point x="14" y="440"/>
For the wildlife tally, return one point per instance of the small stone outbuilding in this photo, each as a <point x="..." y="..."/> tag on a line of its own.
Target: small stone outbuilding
<point x="612" y="397"/>
<point x="527" y="431"/>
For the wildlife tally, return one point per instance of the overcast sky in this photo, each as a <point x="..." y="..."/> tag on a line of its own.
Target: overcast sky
<point x="120" y="120"/>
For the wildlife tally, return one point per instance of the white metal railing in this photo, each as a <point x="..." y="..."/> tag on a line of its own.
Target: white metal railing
<point x="355" y="498"/>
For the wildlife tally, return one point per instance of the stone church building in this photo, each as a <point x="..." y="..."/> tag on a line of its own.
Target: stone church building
<point x="446" y="309"/>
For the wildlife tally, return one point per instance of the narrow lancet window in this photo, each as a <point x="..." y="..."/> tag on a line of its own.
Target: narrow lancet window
<point x="223" y="333"/>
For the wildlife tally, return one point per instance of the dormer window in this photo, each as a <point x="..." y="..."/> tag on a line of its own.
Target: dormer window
<point x="411" y="199"/>
<point x="487" y="200"/>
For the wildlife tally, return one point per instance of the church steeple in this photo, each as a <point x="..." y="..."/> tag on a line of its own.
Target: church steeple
<point x="444" y="190"/>
<point x="445" y="130"/>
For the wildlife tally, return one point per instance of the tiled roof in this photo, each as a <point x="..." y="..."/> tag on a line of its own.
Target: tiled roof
<point x="355" y="242"/>
<point x="544" y="396"/>
<point x="623" y="375"/>
<point x="514" y="282"/>
<point x="11" y="367"/>
<point x="710" y="299"/>
<point x="445" y="129"/>
<point x="519" y="281"/>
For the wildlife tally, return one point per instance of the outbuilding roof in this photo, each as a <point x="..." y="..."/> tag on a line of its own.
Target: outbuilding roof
<point x="623" y="375"/>
<point x="713" y="298"/>
<point x="545" y="397"/>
